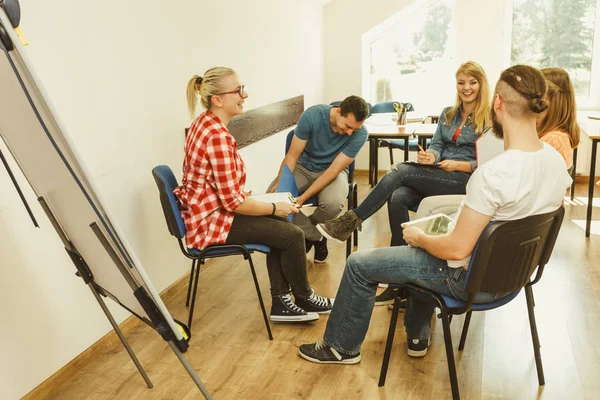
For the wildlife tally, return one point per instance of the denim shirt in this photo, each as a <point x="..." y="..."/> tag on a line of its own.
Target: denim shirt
<point x="444" y="148"/>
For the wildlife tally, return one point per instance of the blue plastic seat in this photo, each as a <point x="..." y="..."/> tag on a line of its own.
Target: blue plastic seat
<point x="166" y="183"/>
<point x="503" y="261"/>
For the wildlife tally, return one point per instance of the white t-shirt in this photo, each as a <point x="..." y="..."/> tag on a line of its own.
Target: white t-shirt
<point x="515" y="185"/>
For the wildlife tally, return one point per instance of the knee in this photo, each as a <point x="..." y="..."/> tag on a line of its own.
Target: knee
<point x="398" y="199"/>
<point x="331" y="208"/>
<point x="295" y="233"/>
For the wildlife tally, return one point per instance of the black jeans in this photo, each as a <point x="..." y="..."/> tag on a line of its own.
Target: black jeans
<point x="404" y="186"/>
<point x="286" y="263"/>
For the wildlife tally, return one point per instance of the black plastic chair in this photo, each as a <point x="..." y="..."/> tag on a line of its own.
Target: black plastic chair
<point x="505" y="257"/>
<point x="352" y="193"/>
<point x="166" y="183"/>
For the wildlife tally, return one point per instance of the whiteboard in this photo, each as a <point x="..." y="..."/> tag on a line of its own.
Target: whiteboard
<point x="32" y="132"/>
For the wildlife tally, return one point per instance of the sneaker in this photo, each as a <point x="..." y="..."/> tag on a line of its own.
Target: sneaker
<point x="386" y="297"/>
<point x="284" y="309"/>
<point x="382" y="285"/>
<point x="315" y="303"/>
<point x="341" y="228"/>
<point x="308" y="245"/>
<point x="416" y="347"/>
<point x="321" y="353"/>
<point x="321" y="252"/>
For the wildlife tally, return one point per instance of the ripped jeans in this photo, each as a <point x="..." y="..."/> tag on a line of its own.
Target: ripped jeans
<point x="403" y="187"/>
<point x="349" y="319"/>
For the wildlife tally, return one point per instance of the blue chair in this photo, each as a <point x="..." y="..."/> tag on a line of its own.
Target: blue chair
<point x="504" y="259"/>
<point x="352" y="194"/>
<point x="413" y="144"/>
<point x="166" y="183"/>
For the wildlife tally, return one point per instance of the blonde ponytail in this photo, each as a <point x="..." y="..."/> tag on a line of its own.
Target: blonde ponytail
<point x="206" y="86"/>
<point x="191" y="94"/>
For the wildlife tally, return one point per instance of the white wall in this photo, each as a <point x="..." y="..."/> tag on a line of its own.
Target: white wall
<point x="116" y="72"/>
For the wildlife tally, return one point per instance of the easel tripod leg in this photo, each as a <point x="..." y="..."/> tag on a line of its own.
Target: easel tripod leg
<point x="120" y="334"/>
<point x="191" y="371"/>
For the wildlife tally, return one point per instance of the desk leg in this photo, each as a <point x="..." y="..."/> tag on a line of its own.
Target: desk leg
<point x="588" y="218"/>
<point x="375" y="163"/>
<point x="573" y="174"/>
<point x="371" y="162"/>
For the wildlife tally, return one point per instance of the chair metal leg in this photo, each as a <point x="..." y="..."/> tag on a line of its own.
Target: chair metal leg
<point x="389" y="342"/>
<point x="348" y="247"/>
<point x="260" y="299"/>
<point x="187" y="299"/>
<point x="463" y="336"/>
<point x="191" y="316"/>
<point x="391" y="155"/>
<point x="450" y="354"/>
<point x="534" y="335"/>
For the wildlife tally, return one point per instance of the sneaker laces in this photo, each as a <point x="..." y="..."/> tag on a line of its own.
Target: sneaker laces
<point x="287" y="300"/>
<point x="319" y="301"/>
<point x="320" y="344"/>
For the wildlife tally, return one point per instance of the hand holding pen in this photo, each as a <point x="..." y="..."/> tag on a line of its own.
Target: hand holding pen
<point x="425" y="157"/>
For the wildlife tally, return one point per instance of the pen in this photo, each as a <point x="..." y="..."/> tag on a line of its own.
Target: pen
<point x="421" y="148"/>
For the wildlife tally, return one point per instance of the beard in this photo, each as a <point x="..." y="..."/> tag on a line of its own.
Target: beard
<point x="496" y="126"/>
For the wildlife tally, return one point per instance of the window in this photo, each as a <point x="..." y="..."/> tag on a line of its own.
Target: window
<point x="559" y="33"/>
<point x="411" y="54"/>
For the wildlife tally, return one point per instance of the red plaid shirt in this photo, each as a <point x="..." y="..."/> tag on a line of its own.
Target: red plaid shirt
<point x="213" y="182"/>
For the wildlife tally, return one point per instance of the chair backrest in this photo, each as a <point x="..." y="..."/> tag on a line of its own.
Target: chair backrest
<point x="166" y="183"/>
<point x="508" y="252"/>
<point x="387" y="106"/>
<point x="288" y="143"/>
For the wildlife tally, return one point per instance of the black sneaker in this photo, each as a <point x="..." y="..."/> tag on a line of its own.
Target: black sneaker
<point x="321" y="252"/>
<point x="315" y="303"/>
<point x="416" y="347"/>
<point x="284" y="309"/>
<point x="387" y="297"/>
<point x="308" y="244"/>
<point x="321" y="353"/>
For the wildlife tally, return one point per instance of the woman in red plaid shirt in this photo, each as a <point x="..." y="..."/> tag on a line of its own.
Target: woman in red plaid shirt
<point x="217" y="210"/>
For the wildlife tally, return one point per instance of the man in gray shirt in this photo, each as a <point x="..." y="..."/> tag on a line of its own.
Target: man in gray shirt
<point x="326" y="141"/>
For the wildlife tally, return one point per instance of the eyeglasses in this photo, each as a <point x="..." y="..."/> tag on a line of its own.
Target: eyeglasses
<point x="239" y="91"/>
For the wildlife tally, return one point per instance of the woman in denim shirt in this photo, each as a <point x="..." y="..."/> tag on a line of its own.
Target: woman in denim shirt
<point x="452" y="150"/>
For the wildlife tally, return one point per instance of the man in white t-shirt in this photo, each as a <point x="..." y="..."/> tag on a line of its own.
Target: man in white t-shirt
<point x="529" y="178"/>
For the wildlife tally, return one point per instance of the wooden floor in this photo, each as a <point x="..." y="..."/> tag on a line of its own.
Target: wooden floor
<point x="234" y="358"/>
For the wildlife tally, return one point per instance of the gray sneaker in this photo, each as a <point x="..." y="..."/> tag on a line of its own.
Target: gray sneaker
<point x="340" y="229"/>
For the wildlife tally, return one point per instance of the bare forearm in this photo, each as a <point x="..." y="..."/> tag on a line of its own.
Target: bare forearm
<point x="441" y="246"/>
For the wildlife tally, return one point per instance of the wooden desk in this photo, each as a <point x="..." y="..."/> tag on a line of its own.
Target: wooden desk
<point x="387" y="131"/>
<point x="424" y="132"/>
<point x="595" y="139"/>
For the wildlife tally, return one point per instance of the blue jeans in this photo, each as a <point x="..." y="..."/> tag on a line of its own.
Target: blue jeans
<point x="349" y="319"/>
<point x="405" y="186"/>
